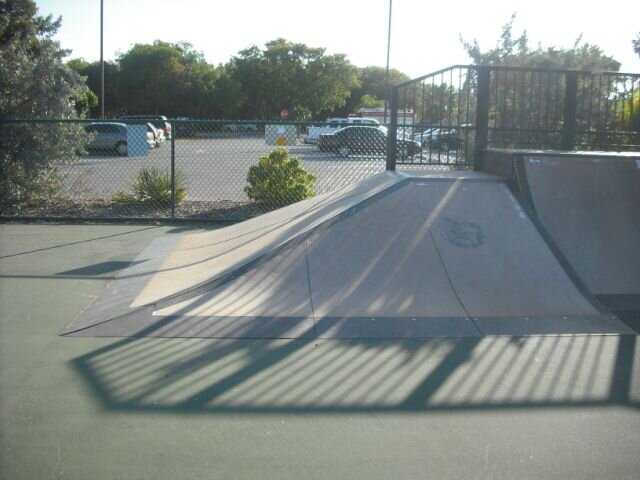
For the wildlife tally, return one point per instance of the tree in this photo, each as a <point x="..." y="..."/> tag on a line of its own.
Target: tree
<point x="523" y="101"/>
<point x="636" y="44"/>
<point x="91" y="72"/>
<point x="34" y="83"/>
<point x="153" y="79"/>
<point x="174" y="79"/>
<point x="511" y="51"/>
<point x="302" y="79"/>
<point x="371" y="90"/>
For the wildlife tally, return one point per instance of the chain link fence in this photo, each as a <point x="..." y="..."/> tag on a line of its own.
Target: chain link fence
<point x="154" y="168"/>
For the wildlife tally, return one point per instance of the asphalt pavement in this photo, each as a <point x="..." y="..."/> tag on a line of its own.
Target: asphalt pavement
<point x="493" y="407"/>
<point x="216" y="168"/>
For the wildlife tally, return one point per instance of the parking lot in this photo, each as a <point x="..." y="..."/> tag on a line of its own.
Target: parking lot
<point x="216" y="168"/>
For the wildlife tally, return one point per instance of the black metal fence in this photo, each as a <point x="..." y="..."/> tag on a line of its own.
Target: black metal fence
<point x="459" y="111"/>
<point x="175" y="169"/>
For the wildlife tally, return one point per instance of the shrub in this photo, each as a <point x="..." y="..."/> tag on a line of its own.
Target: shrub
<point x="154" y="186"/>
<point x="279" y="180"/>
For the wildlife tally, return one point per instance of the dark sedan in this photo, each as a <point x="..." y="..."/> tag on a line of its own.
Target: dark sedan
<point x="365" y="141"/>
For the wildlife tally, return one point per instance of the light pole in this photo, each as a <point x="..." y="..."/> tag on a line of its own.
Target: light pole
<point x="386" y="73"/>
<point x="102" y="59"/>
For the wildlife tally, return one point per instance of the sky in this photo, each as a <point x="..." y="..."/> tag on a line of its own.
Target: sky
<point x="425" y="35"/>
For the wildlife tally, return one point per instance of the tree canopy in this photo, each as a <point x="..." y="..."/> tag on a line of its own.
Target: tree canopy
<point x="34" y="79"/>
<point x="35" y="83"/>
<point x="305" y="80"/>
<point x="512" y="50"/>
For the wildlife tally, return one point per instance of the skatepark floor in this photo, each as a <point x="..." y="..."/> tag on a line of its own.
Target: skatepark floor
<point x="547" y="406"/>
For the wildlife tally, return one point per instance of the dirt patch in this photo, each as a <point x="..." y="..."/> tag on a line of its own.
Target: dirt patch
<point x="220" y="210"/>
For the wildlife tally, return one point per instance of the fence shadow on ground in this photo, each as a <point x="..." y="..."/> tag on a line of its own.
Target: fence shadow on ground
<point x="313" y="376"/>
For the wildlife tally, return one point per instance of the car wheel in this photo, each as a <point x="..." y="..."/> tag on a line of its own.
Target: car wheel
<point x="121" y="148"/>
<point x="343" y="151"/>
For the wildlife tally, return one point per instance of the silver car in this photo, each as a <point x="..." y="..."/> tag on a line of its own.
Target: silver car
<point x="108" y="137"/>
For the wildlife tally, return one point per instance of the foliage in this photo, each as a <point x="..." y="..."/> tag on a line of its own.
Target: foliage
<point x="91" y="72"/>
<point x="628" y="117"/>
<point x="293" y="76"/>
<point x="371" y="101"/>
<point x="636" y="44"/>
<point x="34" y="83"/>
<point x="279" y="180"/>
<point x="153" y="185"/>
<point x="371" y="89"/>
<point x="152" y="79"/>
<point x="174" y="79"/>
<point x="521" y="99"/>
<point x="513" y="51"/>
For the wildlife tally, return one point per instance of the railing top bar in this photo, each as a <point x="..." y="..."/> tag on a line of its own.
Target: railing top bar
<point x="559" y="70"/>
<point x="432" y="74"/>
<point x="172" y="121"/>
<point x="516" y="69"/>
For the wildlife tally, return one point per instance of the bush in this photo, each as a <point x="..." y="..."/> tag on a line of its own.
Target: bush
<point x="279" y="180"/>
<point x="30" y="155"/>
<point x="153" y="185"/>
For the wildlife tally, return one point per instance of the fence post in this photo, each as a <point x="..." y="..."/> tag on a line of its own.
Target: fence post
<point x="482" y="115"/>
<point x="392" y="135"/>
<point x="570" y="109"/>
<point x="173" y="169"/>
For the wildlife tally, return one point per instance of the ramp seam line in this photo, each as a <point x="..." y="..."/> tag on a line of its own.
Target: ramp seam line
<point x="455" y="292"/>
<point x="313" y="312"/>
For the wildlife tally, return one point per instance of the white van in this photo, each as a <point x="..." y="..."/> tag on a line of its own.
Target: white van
<point x="333" y="124"/>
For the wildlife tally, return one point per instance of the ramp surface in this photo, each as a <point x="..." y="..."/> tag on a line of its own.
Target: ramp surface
<point x="590" y="205"/>
<point x="423" y="257"/>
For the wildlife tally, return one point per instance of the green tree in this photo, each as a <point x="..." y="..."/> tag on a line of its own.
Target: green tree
<point x="174" y="79"/>
<point x="93" y="77"/>
<point x="522" y="101"/>
<point x="305" y="80"/>
<point x="370" y="91"/>
<point x="34" y="83"/>
<point x="515" y="51"/>
<point x="153" y="79"/>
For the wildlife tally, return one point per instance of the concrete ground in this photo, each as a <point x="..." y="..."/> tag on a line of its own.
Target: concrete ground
<point x="478" y="408"/>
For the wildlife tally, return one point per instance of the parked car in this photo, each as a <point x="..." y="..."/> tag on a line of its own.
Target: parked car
<point x="109" y="137"/>
<point x="332" y="125"/>
<point x="364" y="140"/>
<point x="442" y="139"/>
<point x="157" y="135"/>
<point x="158" y="121"/>
<point x="241" y="127"/>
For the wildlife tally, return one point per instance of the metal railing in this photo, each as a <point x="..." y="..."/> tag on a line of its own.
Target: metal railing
<point x="459" y="111"/>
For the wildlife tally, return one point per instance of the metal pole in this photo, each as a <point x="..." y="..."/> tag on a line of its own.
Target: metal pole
<point x="570" y="109"/>
<point x="482" y="115"/>
<point x="386" y="73"/>
<point x="173" y="172"/>
<point x="102" y="59"/>
<point x="392" y="135"/>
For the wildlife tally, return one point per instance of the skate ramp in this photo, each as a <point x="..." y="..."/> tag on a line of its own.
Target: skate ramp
<point x="425" y="256"/>
<point x="590" y="206"/>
